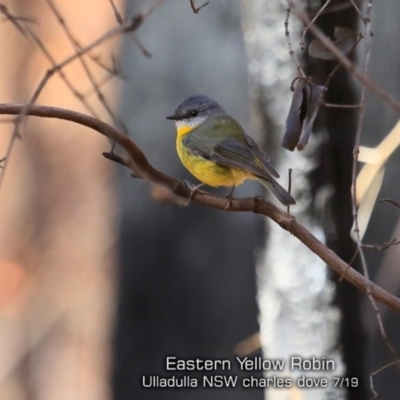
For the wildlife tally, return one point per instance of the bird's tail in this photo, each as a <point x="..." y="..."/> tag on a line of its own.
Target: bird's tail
<point x="279" y="192"/>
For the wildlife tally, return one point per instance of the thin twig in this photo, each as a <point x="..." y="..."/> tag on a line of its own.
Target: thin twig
<point x="395" y="203"/>
<point x="382" y="246"/>
<point x="328" y="81"/>
<point x="15" y="20"/>
<point x="353" y="3"/>
<point x="289" y="43"/>
<point x="376" y="372"/>
<point x="329" y="105"/>
<point x="141" y="46"/>
<point x="102" y="82"/>
<point x="350" y="264"/>
<point x="320" y="11"/>
<point x="123" y="160"/>
<point x="197" y="9"/>
<point x="289" y="186"/>
<point x="117" y="14"/>
<point x="339" y="7"/>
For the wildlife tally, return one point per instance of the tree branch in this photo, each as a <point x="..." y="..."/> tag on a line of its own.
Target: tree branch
<point x="140" y="166"/>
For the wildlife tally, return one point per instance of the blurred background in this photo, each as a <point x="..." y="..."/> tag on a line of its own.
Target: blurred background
<point x="100" y="281"/>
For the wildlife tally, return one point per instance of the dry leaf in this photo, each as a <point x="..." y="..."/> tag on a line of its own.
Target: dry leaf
<point x="303" y="111"/>
<point x="345" y="40"/>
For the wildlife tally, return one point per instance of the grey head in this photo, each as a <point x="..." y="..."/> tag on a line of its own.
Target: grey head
<point x="196" y="109"/>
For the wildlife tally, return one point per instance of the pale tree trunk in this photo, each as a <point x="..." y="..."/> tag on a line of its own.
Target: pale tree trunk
<point x="296" y="315"/>
<point x="57" y="219"/>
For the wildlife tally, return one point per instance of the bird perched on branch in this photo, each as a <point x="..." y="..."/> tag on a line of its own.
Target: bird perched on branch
<point x="215" y="149"/>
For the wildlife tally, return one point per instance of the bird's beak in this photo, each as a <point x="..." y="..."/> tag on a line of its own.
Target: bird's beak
<point x="173" y="117"/>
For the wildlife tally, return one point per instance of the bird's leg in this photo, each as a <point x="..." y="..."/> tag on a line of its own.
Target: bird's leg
<point x="229" y="197"/>
<point x="193" y="190"/>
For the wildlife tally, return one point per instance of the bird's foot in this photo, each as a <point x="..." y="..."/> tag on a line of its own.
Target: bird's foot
<point x="193" y="190"/>
<point x="229" y="197"/>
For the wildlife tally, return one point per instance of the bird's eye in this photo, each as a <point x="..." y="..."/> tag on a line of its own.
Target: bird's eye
<point x="193" y="113"/>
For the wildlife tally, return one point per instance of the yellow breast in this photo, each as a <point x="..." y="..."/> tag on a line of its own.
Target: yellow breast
<point x="182" y="130"/>
<point x="207" y="171"/>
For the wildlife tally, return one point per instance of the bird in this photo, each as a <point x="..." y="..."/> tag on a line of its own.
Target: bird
<point x="215" y="149"/>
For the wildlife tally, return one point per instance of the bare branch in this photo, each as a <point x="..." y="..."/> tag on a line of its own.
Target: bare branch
<point x="197" y="9"/>
<point x="329" y="105"/>
<point x="16" y="20"/>
<point x="378" y="371"/>
<point x="395" y="203"/>
<point x="289" y="43"/>
<point x="337" y="7"/>
<point x="358" y="11"/>
<point x="320" y="11"/>
<point x="117" y="14"/>
<point x="289" y="186"/>
<point x="143" y="49"/>
<point x="380" y="247"/>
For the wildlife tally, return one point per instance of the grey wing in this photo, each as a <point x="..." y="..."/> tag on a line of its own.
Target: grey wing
<point x="261" y="156"/>
<point x="230" y="152"/>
